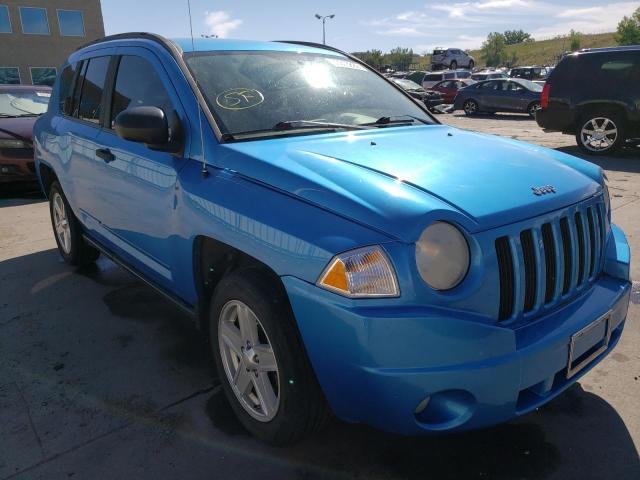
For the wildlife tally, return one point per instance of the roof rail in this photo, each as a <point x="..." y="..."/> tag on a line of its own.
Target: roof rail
<point x="132" y="36"/>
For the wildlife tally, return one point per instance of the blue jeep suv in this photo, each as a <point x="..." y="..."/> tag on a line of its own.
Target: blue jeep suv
<point x="342" y="251"/>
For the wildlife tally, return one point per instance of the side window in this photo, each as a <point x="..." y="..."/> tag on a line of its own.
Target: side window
<point x="449" y="75"/>
<point x="138" y="84"/>
<point x="489" y="86"/>
<point x="90" y="105"/>
<point x="66" y="88"/>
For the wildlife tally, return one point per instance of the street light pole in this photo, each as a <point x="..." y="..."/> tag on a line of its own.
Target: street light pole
<point x="324" y="19"/>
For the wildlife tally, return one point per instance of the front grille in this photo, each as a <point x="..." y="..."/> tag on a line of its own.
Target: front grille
<point x="548" y="263"/>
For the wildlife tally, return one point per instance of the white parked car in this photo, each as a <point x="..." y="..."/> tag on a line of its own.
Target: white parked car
<point x="451" y="58"/>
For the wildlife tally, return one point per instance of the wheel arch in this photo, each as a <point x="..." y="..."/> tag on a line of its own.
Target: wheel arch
<point x="47" y="177"/>
<point x="596" y="106"/>
<point x="212" y="261"/>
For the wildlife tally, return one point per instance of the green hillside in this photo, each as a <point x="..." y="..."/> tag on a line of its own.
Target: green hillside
<point x="547" y="52"/>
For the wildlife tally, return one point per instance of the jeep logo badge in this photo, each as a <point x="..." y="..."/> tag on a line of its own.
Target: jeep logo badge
<point x="543" y="190"/>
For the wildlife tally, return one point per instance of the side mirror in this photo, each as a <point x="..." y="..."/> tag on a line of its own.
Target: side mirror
<point x="146" y="125"/>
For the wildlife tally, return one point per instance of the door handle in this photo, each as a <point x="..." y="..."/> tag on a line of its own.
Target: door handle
<point x="105" y="154"/>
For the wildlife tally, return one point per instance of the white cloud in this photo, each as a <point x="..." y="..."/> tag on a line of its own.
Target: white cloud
<point x="500" y="4"/>
<point x="220" y="23"/>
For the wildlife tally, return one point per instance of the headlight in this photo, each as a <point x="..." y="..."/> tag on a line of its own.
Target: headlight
<point x="365" y="272"/>
<point x="12" y="143"/>
<point x="442" y="256"/>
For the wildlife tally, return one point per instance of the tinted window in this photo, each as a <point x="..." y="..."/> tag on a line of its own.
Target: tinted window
<point x="66" y="88"/>
<point x="71" y="23"/>
<point x="490" y="85"/>
<point x="464" y="74"/>
<point x="43" y="75"/>
<point x="433" y="77"/>
<point x="138" y="85"/>
<point x="92" y="89"/>
<point x="9" y="76"/>
<point x="34" y="20"/>
<point x="5" y="22"/>
<point x="450" y="75"/>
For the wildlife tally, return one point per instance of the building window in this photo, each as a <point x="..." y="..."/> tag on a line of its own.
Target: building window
<point x="5" y="21"/>
<point x="9" y="75"/>
<point x="34" y="20"/>
<point x="43" y="75"/>
<point x="71" y="23"/>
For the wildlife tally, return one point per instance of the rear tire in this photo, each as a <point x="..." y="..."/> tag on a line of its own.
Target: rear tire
<point x="453" y="65"/>
<point x="471" y="64"/>
<point x="470" y="107"/>
<point x="294" y="405"/>
<point x="68" y="231"/>
<point x="600" y="133"/>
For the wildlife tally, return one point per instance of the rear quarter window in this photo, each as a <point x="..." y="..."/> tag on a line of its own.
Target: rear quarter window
<point x="67" y="78"/>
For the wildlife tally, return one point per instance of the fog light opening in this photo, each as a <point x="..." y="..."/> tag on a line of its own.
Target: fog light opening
<point x="445" y="410"/>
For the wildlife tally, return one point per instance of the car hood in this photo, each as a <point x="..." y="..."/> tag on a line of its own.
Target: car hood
<point x="399" y="179"/>
<point x="20" y="128"/>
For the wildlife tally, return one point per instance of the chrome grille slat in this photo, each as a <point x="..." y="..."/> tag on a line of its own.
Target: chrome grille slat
<point x="549" y="262"/>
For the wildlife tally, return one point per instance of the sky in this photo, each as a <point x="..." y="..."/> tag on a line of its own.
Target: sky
<point x="366" y="24"/>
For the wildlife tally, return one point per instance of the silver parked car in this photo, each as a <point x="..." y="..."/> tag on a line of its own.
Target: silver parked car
<point x="451" y="58"/>
<point x="431" y="78"/>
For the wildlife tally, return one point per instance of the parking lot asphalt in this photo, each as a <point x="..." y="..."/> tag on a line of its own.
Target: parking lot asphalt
<point x="100" y="377"/>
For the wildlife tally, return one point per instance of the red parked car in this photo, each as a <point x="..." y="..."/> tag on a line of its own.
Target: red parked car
<point x="449" y="88"/>
<point x="20" y="106"/>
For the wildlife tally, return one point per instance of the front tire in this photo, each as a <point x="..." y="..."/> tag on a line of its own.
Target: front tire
<point x="470" y="107"/>
<point x="600" y="133"/>
<point x="260" y="359"/>
<point x="67" y="230"/>
<point x="533" y="108"/>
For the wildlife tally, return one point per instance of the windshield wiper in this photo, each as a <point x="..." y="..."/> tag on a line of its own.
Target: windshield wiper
<point x="6" y="115"/>
<point x="295" y="125"/>
<point x="395" y="119"/>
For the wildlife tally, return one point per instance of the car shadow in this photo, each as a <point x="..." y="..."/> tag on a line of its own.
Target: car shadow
<point x="495" y="116"/>
<point x="624" y="160"/>
<point x="16" y="194"/>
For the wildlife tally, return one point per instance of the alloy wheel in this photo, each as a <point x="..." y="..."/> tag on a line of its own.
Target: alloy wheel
<point x="249" y="361"/>
<point x="599" y="134"/>
<point x="61" y="223"/>
<point x="470" y="107"/>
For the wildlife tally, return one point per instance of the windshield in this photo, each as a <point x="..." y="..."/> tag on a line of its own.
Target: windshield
<point x="534" y="87"/>
<point x="256" y="90"/>
<point x="19" y="103"/>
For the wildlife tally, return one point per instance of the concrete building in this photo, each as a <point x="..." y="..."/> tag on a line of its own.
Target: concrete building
<point x="36" y="36"/>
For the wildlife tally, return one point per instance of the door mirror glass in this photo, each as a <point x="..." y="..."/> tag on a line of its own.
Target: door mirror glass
<point x="146" y="125"/>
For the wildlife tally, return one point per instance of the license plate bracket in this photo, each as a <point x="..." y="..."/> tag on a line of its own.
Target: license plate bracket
<point x="588" y="343"/>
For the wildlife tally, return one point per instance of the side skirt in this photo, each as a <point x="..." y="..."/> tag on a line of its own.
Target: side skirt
<point x="186" y="307"/>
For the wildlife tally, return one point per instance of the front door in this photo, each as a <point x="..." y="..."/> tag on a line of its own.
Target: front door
<point x="137" y="211"/>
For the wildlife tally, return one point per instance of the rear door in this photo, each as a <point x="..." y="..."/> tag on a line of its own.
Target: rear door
<point x="490" y="95"/>
<point x="139" y="193"/>
<point x="78" y="130"/>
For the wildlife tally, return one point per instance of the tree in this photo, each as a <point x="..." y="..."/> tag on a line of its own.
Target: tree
<point x="373" y="58"/>
<point x="494" y="49"/>
<point x="629" y="30"/>
<point x="399" y="58"/>
<point x="575" y="38"/>
<point x="512" y="37"/>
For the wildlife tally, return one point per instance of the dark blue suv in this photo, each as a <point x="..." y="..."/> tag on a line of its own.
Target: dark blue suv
<point x="342" y="251"/>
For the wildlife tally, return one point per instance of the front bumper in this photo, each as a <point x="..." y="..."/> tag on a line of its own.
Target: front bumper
<point x="17" y="165"/>
<point x="380" y="364"/>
